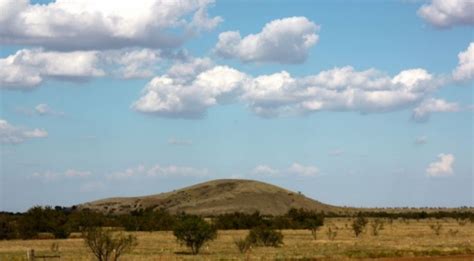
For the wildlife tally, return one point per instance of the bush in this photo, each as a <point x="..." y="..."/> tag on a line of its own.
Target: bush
<point x="105" y="246"/>
<point x="436" y="228"/>
<point x="359" y="224"/>
<point x="243" y="245"/>
<point x="7" y="228"/>
<point x="193" y="231"/>
<point x="265" y="236"/>
<point x="331" y="232"/>
<point x="376" y="225"/>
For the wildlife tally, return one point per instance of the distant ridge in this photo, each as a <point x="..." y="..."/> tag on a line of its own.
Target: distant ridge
<point x="214" y="198"/>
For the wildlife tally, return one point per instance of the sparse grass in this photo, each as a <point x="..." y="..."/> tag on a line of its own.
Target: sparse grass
<point x="407" y="239"/>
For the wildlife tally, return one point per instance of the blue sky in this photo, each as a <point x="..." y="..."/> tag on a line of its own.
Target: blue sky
<point x="362" y="103"/>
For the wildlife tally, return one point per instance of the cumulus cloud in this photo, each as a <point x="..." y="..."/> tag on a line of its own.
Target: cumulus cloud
<point x="171" y="95"/>
<point x="295" y="169"/>
<point x="91" y="24"/>
<point x="286" y="40"/>
<point x="304" y="171"/>
<point x="68" y="174"/>
<point x="132" y="63"/>
<point x="338" y="89"/>
<point x="189" y="93"/>
<point x="26" y="69"/>
<point x="465" y="69"/>
<point x="265" y="170"/>
<point x="442" y="167"/>
<point x="444" y="14"/>
<point x="159" y="171"/>
<point x="423" y="111"/>
<point x="10" y="134"/>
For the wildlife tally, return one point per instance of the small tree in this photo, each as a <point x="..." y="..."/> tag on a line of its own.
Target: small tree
<point x="265" y="236"/>
<point x="376" y="225"/>
<point x="106" y="246"/>
<point x="243" y="245"/>
<point x="193" y="231"/>
<point x="359" y="224"/>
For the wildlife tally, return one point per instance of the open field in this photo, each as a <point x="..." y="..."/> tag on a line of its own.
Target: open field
<point x="401" y="238"/>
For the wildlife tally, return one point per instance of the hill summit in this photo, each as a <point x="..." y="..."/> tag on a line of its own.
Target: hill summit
<point x="214" y="198"/>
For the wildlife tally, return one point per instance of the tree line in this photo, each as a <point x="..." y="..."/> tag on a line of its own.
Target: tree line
<point x="61" y="221"/>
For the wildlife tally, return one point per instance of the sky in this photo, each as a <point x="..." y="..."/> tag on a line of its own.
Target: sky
<point x="353" y="103"/>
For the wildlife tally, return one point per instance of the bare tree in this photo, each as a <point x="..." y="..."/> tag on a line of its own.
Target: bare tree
<point x="107" y="246"/>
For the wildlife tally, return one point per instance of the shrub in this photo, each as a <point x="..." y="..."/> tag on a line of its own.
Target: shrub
<point x="243" y="245"/>
<point x="7" y="228"/>
<point x="331" y="232"/>
<point x="193" y="231"/>
<point x="359" y="224"/>
<point x="105" y="245"/>
<point x="376" y="225"/>
<point x="265" y="236"/>
<point x="436" y="228"/>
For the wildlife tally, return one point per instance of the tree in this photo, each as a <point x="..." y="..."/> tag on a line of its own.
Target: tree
<point x="107" y="246"/>
<point x="7" y="228"/>
<point x="265" y="236"/>
<point x="376" y="225"/>
<point x="193" y="231"/>
<point x="359" y="224"/>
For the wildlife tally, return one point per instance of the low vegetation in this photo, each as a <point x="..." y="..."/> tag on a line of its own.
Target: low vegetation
<point x="398" y="239"/>
<point x="248" y="233"/>
<point x="193" y="231"/>
<point x="105" y="245"/>
<point x="358" y="225"/>
<point x="265" y="236"/>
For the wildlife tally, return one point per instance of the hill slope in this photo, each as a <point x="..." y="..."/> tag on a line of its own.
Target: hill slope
<point x="216" y="197"/>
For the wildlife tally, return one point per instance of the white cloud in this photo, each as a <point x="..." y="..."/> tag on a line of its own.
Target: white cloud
<point x="442" y="167"/>
<point x="43" y="109"/>
<point x="286" y="40"/>
<point x="68" y="174"/>
<point x="10" y="134"/>
<point x="26" y="69"/>
<point x="172" y="96"/>
<point x="304" y="171"/>
<point x="265" y="170"/>
<point x="423" y="111"/>
<point x="159" y="171"/>
<point x="295" y="169"/>
<point x="133" y="63"/>
<point x="465" y="69"/>
<point x="338" y="89"/>
<point x="448" y="13"/>
<point x="187" y="71"/>
<point x="91" y="24"/>
<point x="176" y="171"/>
<point x="280" y="94"/>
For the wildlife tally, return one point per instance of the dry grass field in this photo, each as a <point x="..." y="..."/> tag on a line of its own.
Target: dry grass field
<point x="400" y="238"/>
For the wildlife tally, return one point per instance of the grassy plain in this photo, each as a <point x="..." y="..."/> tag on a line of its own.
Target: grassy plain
<point x="400" y="238"/>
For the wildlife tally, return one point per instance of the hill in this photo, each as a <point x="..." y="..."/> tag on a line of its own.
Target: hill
<point x="216" y="197"/>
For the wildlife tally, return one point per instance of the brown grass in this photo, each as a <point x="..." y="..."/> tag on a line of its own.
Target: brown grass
<point x="399" y="239"/>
